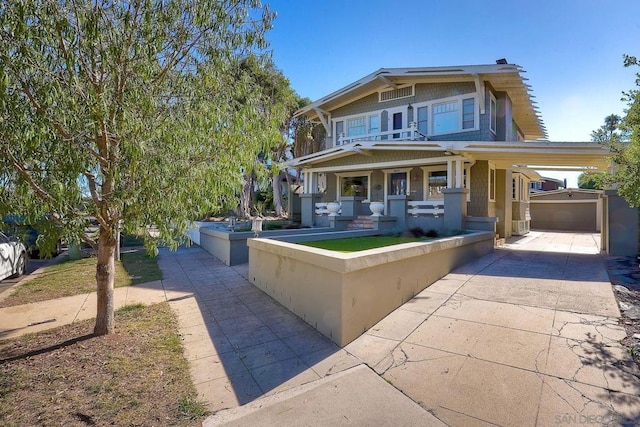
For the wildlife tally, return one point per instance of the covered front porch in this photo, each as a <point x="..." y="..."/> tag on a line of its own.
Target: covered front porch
<point x="427" y="192"/>
<point x="444" y="186"/>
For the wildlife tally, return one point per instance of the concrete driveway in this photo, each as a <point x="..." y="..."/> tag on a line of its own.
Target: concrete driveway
<point x="526" y="336"/>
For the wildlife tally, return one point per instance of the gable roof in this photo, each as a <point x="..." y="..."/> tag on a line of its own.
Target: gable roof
<point x="502" y="77"/>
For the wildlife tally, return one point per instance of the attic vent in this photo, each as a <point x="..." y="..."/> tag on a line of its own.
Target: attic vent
<point x="402" y="92"/>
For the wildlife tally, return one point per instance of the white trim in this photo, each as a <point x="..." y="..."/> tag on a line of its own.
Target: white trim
<point x="396" y="88"/>
<point x="493" y="108"/>
<point x="426" y="170"/>
<point x="573" y="156"/>
<point x="459" y="100"/>
<point x="482" y="94"/>
<point x="386" y="172"/>
<point x="390" y="164"/>
<point x="516" y="180"/>
<point x="341" y="175"/>
<point x="492" y="188"/>
<point x="467" y="179"/>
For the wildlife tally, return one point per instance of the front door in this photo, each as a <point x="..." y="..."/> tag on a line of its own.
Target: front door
<point x="396" y="123"/>
<point x="391" y="120"/>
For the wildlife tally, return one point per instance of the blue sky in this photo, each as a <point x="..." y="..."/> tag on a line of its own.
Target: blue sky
<point x="571" y="49"/>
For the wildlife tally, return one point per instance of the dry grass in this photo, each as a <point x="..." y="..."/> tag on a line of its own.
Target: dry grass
<point x="66" y="376"/>
<point x="79" y="276"/>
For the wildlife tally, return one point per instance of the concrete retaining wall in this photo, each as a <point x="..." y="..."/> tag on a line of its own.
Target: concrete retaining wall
<point x="231" y="248"/>
<point x="344" y="294"/>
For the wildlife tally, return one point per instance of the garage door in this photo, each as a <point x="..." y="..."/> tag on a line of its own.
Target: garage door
<point x="560" y="215"/>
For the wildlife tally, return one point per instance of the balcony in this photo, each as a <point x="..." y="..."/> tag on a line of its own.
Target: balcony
<point x="407" y="134"/>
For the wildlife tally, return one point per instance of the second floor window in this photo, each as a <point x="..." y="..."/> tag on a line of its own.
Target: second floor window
<point x="356" y="126"/>
<point x="445" y="117"/>
<point x="453" y="116"/>
<point x="468" y="114"/>
<point x="422" y="120"/>
<point x="374" y="124"/>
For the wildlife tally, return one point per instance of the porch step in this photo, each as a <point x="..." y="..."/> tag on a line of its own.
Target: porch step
<point x="362" y="222"/>
<point x="500" y="241"/>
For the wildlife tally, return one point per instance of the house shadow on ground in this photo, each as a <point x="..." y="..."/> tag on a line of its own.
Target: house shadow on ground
<point x="240" y="343"/>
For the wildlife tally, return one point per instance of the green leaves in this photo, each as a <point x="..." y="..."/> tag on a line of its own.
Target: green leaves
<point x="626" y="145"/>
<point x="146" y="100"/>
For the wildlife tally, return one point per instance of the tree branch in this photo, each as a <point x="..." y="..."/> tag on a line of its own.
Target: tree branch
<point x="26" y="175"/>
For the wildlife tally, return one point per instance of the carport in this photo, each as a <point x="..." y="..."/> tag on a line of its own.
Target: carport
<point x="618" y="222"/>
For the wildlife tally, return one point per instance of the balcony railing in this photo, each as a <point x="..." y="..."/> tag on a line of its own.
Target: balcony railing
<point x="411" y="133"/>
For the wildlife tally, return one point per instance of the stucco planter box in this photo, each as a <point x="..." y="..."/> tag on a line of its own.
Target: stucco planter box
<point x="231" y="247"/>
<point x="344" y="294"/>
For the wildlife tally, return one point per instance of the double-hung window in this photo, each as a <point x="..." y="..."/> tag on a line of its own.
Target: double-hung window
<point x="451" y="116"/>
<point x="356" y="126"/>
<point x="468" y="114"/>
<point x="374" y="125"/>
<point x="422" y="120"/>
<point x="445" y="117"/>
<point x="493" y="114"/>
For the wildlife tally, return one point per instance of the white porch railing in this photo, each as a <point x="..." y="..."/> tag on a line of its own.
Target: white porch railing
<point x="422" y="207"/>
<point x="321" y="209"/>
<point x="411" y="133"/>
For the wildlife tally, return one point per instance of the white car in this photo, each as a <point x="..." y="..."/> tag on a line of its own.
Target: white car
<point x="13" y="257"/>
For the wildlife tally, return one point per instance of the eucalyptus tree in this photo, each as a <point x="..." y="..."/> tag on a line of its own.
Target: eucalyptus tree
<point x="612" y="135"/>
<point x="623" y="138"/>
<point x="137" y="113"/>
<point x="276" y="107"/>
<point x="627" y="158"/>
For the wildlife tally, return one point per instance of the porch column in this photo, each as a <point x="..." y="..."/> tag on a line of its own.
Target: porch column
<point x="310" y="180"/>
<point x="308" y="207"/>
<point x="455" y="208"/>
<point x="504" y="196"/>
<point x="455" y="173"/>
<point x="459" y="173"/>
<point x="398" y="209"/>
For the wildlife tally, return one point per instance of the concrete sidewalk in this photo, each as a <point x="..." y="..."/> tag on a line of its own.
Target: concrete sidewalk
<point x="29" y="318"/>
<point x="527" y="335"/>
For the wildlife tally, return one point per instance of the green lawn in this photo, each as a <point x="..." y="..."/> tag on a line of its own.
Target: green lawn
<point x="75" y="277"/>
<point x="354" y="244"/>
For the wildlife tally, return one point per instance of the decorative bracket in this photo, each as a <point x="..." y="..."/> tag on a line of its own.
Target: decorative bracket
<point x="325" y="118"/>
<point x="481" y="92"/>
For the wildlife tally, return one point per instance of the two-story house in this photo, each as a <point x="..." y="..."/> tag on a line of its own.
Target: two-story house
<point x="441" y="147"/>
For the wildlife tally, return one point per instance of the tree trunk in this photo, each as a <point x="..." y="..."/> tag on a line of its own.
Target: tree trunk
<point x="277" y="194"/>
<point x="105" y="275"/>
<point x="246" y="196"/>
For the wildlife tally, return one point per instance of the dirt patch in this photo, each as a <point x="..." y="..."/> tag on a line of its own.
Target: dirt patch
<point x="624" y="273"/>
<point x="66" y="376"/>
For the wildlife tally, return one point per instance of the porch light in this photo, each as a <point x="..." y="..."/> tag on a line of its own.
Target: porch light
<point x="256" y="226"/>
<point x="232" y="222"/>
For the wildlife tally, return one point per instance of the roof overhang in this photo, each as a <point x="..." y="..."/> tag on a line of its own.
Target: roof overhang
<point x="502" y="77"/>
<point x="563" y="156"/>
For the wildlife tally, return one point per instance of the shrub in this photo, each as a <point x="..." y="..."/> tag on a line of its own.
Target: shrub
<point x="417" y="232"/>
<point x="431" y="233"/>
